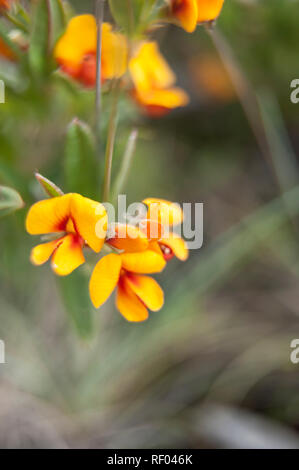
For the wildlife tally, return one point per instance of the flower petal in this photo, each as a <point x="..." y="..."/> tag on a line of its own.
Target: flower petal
<point x="40" y="254"/>
<point x="68" y="256"/>
<point x="168" y="98"/>
<point x="149" y="69"/>
<point x="79" y="39"/>
<point x="104" y="279"/>
<point x="90" y="220"/>
<point x="152" y="228"/>
<point x="177" y="245"/>
<point x="208" y="10"/>
<point x="166" y="212"/>
<point x="49" y="215"/>
<point x="147" y="289"/>
<point x="146" y="262"/>
<point x="186" y="12"/>
<point x="128" y="238"/>
<point x="129" y="305"/>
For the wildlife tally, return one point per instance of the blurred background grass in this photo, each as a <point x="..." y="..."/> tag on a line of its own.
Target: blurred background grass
<point x="212" y="369"/>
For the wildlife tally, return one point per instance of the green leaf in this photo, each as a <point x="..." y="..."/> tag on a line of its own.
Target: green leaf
<point x="48" y="186"/>
<point x="132" y="15"/>
<point x="74" y="291"/>
<point x="80" y="160"/>
<point x="58" y="20"/>
<point x="39" y="59"/>
<point x="10" y="201"/>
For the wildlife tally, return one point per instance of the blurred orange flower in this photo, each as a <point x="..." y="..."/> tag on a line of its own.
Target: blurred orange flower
<point x="168" y="215"/>
<point x="5" y="51"/>
<point x="154" y="81"/>
<point x="186" y="13"/>
<point x="5" y="4"/>
<point x="76" y="51"/>
<point x="136" y="293"/>
<point x="79" y="220"/>
<point x="209" y="10"/>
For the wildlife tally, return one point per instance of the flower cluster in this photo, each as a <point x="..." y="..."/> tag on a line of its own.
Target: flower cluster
<point x="74" y="222"/>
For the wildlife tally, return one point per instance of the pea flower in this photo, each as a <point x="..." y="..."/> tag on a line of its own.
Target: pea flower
<point x="77" y="221"/>
<point x="76" y="51"/>
<point x="185" y="12"/>
<point x="125" y="271"/>
<point x="168" y="215"/>
<point x="154" y="81"/>
<point x="188" y="13"/>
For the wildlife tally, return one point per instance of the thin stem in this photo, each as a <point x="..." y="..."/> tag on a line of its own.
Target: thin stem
<point x="16" y="22"/>
<point x="98" y="104"/>
<point x="111" y="141"/>
<point x="126" y="164"/>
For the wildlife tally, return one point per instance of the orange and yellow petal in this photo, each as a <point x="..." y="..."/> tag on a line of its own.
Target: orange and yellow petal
<point x="129" y="304"/>
<point x="165" y="212"/>
<point x="90" y="220"/>
<point x="208" y="10"/>
<point x="146" y="262"/>
<point x="104" y="279"/>
<point x="68" y="256"/>
<point x="186" y="12"/>
<point x="149" y="70"/>
<point x="79" y="39"/>
<point x="49" y="215"/>
<point x="160" y="101"/>
<point x="128" y="238"/>
<point x="40" y="254"/>
<point x="147" y="290"/>
<point x="176" y="245"/>
<point x="76" y="50"/>
<point x="152" y="229"/>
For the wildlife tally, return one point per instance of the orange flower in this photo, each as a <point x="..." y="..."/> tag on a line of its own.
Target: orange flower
<point x="185" y="12"/>
<point x="5" y="4"/>
<point x="76" y="51"/>
<point x="167" y="214"/>
<point x="209" y="10"/>
<point x="153" y="81"/>
<point x="5" y="51"/>
<point x="136" y="293"/>
<point x="78" y="220"/>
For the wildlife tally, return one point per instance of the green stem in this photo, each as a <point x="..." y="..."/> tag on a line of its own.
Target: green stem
<point x="126" y="164"/>
<point x="111" y="141"/>
<point x="98" y="103"/>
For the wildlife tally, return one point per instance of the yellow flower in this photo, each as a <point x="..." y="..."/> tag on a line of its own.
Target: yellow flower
<point x="76" y="51"/>
<point x="154" y="81"/>
<point x="167" y="214"/>
<point x="185" y="12"/>
<point x="136" y="293"/>
<point x="77" y="220"/>
<point x="209" y="10"/>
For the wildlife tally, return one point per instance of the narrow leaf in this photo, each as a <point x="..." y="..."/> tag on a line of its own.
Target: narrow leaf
<point x="10" y="201"/>
<point x="74" y="291"/>
<point x="48" y="186"/>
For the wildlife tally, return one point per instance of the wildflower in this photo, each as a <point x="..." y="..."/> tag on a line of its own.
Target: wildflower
<point x="76" y="51"/>
<point x="5" y="51"/>
<point x="5" y="5"/>
<point x="168" y="215"/>
<point x="185" y="12"/>
<point x="154" y="81"/>
<point x="76" y="220"/>
<point x="209" y="10"/>
<point x="136" y="293"/>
